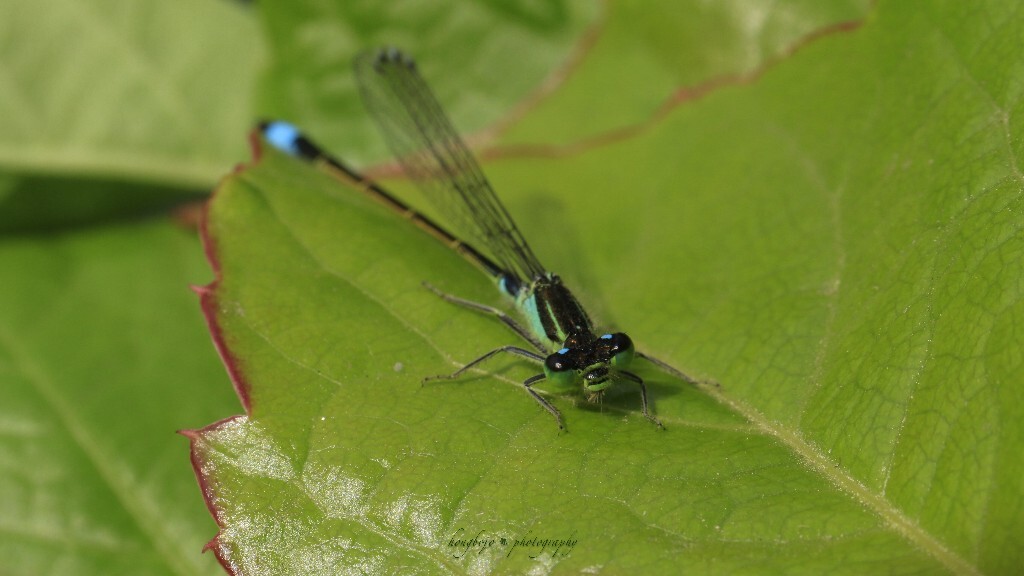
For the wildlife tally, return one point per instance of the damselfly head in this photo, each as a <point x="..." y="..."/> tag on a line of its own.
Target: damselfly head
<point x="593" y="363"/>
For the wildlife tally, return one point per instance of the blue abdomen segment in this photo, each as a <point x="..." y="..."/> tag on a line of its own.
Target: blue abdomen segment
<point x="283" y="135"/>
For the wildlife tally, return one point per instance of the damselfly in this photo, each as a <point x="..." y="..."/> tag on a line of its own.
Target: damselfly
<point x="561" y="334"/>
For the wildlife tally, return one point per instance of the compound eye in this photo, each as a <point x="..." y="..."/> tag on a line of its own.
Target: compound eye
<point x="558" y="368"/>
<point x="618" y="341"/>
<point x="622" y="350"/>
<point x="558" y="362"/>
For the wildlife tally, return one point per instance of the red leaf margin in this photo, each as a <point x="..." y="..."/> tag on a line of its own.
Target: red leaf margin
<point x="208" y="304"/>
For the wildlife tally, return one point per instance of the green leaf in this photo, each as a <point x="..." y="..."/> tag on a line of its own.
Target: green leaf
<point x="112" y="111"/>
<point x="834" y="238"/>
<point x="102" y="358"/>
<point x="139" y="91"/>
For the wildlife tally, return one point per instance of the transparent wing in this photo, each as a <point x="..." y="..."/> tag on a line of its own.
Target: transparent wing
<point x="431" y="152"/>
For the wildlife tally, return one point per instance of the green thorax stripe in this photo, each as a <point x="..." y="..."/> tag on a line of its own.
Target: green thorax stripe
<point x="553" y="311"/>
